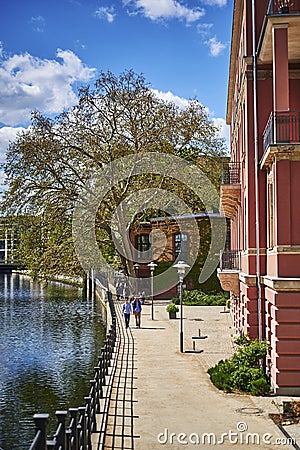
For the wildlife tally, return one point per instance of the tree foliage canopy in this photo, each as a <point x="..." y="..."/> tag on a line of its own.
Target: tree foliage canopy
<point x="49" y="164"/>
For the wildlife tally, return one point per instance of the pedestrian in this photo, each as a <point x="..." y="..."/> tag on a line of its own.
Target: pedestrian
<point x="137" y="309"/>
<point x="127" y="310"/>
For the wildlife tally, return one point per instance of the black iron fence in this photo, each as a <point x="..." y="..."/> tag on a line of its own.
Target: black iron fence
<point x="231" y="173"/>
<point x="77" y="435"/>
<point x="230" y="260"/>
<point x="282" y="128"/>
<point x="284" y="7"/>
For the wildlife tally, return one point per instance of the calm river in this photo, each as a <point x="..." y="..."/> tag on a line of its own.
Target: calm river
<point x="50" y="339"/>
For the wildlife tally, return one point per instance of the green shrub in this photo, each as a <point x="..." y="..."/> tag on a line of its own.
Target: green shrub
<point x="171" y="308"/>
<point x="241" y="371"/>
<point x="200" y="298"/>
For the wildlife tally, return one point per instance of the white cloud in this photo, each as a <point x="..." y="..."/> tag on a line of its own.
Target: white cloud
<point x="215" y="2"/>
<point x="28" y="83"/>
<point x="38" y="23"/>
<point x="1" y="49"/>
<point x="204" y="29"/>
<point x="165" y="9"/>
<point x="216" y="47"/>
<point x="107" y="13"/>
<point x="170" y="97"/>
<point x="7" y="135"/>
<point x="224" y="129"/>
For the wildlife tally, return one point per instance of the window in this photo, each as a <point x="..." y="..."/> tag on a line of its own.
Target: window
<point x="143" y="245"/>
<point x="181" y="245"/>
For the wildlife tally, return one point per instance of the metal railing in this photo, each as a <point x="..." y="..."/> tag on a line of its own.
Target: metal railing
<point x="283" y="7"/>
<point x="230" y="260"/>
<point x="282" y="128"/>
<point x="82" y="421"/>
<point x="231" y="173"/>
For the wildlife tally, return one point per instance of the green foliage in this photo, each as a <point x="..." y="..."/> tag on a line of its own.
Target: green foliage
<point x="49" y="164"/>
<point x="242" y="371"/>
<point x="171" y="308"/>
<point x="200" y="298"/>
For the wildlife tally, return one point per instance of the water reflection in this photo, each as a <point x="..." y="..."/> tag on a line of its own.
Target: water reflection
<point x="50" y="340"/>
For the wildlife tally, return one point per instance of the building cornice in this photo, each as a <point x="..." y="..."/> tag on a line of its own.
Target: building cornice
<point x="235" y="39"/>
<point x="282" y="284"/>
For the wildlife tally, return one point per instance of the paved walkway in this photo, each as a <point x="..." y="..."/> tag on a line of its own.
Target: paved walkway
<point x="174" y="404"/>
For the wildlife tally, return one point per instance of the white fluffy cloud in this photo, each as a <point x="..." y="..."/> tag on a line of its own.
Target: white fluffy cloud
<point x="164" y="9"/>
<point x="216" y="47"/>
<point x="7" y="135"/>
<point x="170" y="97"/>
<point x="215" y="2"/>
<point x="106" y="12"/>
<point x="224" y="129"/>
<point x="28" y="83"/>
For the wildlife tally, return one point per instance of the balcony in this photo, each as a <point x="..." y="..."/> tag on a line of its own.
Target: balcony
<point x="280" y="12"/>
<point x="228" y="273"/>
<point x="282" y="129"/>
<point x="230" y="260"/>
<point x="230" y="190"/>
<point x="284" y="7"/>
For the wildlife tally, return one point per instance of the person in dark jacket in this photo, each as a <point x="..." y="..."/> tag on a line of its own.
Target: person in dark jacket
<point x="137" y="309"/>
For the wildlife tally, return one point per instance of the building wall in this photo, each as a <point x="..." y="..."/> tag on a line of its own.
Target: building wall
<point x="278" y="89"/>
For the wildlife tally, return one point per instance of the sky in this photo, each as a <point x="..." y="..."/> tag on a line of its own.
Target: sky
<point x="49" y="48"/>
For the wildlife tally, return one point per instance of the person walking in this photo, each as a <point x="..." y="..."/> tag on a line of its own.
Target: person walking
<point x="127" y="310"/>
<point x="137" y="309"/>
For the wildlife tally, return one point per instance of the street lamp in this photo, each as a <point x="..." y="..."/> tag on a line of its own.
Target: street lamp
<point x="181" y="266"/>
<point x="136" y="268"/>
<point x="152" y="266"/>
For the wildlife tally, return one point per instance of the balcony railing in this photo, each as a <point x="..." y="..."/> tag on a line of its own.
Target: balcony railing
<point x="230" y="260"/>
<point x="284" y="7"/>
<point x="231" y="173"/>
<point x="282" y="128"/>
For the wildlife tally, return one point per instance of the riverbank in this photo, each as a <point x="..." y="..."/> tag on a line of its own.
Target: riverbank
<point x="64" y="279"/>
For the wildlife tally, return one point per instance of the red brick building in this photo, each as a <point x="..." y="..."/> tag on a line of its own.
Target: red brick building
<point x="261" y="184"/>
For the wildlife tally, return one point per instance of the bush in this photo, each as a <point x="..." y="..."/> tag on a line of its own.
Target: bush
<point x="171" y="308"/>
<point x="200" y="298"/>
<point x="241" y="372"/>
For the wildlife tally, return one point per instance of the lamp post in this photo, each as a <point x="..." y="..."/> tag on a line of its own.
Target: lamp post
<point x="181" y="266"/>
<point x="136" y="268"/>
<point x="152" y="266"/>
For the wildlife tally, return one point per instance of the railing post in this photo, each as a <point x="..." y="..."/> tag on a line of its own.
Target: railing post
<point x="72" y="430"/>
<point x="81" y="427"/>
<point x="88" y="402"/>
<point x="94" y="403"/>
<point x="61" y="421"/>
<point x="106" y="356"/>
<point x="98" y="388"/>
<point x="100" y="372"/>
<point x="41" y="422"/>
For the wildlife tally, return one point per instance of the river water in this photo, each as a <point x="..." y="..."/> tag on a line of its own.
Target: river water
<point x="50" y="339"/>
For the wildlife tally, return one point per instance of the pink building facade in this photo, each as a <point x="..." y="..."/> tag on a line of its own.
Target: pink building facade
<point x="261" y="184"/>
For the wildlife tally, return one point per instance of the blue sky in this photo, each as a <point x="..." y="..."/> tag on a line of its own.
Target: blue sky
<point x="50" y="47"/>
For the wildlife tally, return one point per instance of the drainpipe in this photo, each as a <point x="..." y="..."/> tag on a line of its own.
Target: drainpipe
<point x="256" y="163"/>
